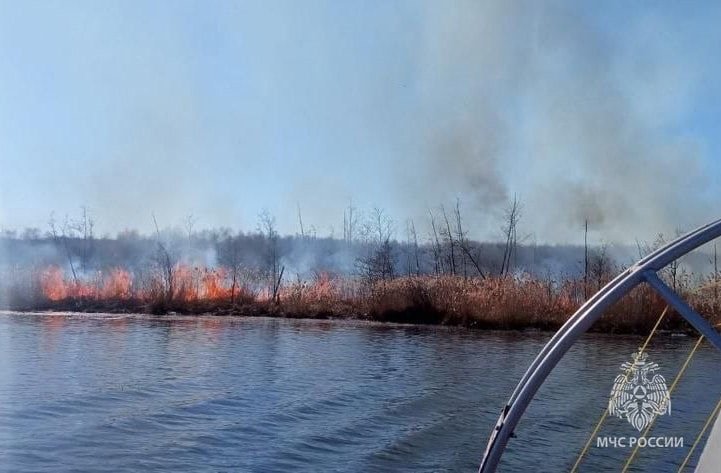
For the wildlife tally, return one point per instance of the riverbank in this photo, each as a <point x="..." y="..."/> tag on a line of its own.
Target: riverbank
<point x="490" y="303"/>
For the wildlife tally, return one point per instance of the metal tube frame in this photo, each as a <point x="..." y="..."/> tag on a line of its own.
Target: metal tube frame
<point x="643" y="271"/>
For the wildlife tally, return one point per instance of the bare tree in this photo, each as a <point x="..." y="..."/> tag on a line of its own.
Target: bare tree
<point x="62" y="239"/>
<point x="673" y="268"/>
<point x="379" y="263"/>
<point x="189" y="223"/>
<point x="601" y="266"/>
<point x="474" y="255"/>
<point x="379" y="227"/>
<point x="447" y="235"/>
<point x="350" y="222"/>
<point x="511" y="217"/>
<point x="414" y="262"/>
<point x="465" y="245"/>
<point x="300" y="221"/>
<point x="85" y="227"/>
<point x="165" y="262"/>
<point x="643" y="248"/>
<point x="460" y="236"/>
<point x="230" y="256"/>
<point x="266" y="226"/>
<point x="436" y="245"/>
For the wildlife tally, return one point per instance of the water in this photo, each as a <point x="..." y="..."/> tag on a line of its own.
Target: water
<point x="140" y="393"/>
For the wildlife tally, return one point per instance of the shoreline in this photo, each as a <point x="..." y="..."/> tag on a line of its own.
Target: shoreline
<point x="409" y="317"/>
<point x="340" y="321"/>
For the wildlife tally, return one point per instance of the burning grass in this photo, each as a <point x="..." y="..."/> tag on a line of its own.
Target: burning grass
<point x="518" y="302"/>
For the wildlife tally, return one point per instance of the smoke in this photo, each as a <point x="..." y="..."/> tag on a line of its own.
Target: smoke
<point x="586" y="111"/>
<point x="465" y="88"/>
<point x="619" y="165"/>
<point x="585" y="122"/>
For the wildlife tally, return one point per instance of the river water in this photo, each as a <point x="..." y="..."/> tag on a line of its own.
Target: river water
<point x="83" y="392"/>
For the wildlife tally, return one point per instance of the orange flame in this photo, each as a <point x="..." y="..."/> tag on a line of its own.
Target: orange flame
<point x="52" y="283"/>
<point x="190" y="283"/>
<point x="118" y="285"/>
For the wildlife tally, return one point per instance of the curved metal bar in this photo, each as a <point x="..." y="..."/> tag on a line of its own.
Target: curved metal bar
<point x="675" y="301"/>
<point x="681" y="241"/>
<point x="578" y="324"/>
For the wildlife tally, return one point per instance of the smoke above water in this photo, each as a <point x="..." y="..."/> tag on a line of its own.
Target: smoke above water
<point x="586" y="112"/>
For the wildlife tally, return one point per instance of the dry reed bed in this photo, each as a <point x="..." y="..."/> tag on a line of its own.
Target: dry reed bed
<point x="520" y="302"/>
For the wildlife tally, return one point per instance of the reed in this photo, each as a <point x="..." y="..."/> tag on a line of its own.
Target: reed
<point x="501" y="302"/>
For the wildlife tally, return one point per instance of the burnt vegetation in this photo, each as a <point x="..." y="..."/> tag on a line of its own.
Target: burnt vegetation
<point x="374" y="272"/>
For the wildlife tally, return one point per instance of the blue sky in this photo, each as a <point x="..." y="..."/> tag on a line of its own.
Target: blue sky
<point x="220" y="109"/>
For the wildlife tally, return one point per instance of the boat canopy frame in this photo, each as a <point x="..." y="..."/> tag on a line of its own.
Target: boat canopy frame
<point x="644" y="271"/>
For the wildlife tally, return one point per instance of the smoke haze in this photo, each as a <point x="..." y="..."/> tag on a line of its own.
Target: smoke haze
<point x="605" y="112"/>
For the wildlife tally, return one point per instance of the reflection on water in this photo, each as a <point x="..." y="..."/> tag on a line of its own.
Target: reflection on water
<point x="132" y="393"/>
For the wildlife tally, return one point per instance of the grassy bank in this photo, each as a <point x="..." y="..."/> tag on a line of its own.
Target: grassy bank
<point x="485" y="303"/>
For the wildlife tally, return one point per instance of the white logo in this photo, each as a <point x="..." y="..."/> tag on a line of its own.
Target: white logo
<point x="635" y="396"/>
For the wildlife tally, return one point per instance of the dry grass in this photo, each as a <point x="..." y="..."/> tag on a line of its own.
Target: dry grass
<point x="498" y="302"/>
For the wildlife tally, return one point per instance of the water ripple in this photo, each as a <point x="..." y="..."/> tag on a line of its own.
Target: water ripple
<point x="141" y="393"/>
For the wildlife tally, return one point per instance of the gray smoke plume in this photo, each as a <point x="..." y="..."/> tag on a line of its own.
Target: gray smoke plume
<point x="577" y="118"/>
<point x="581" y="109"/>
